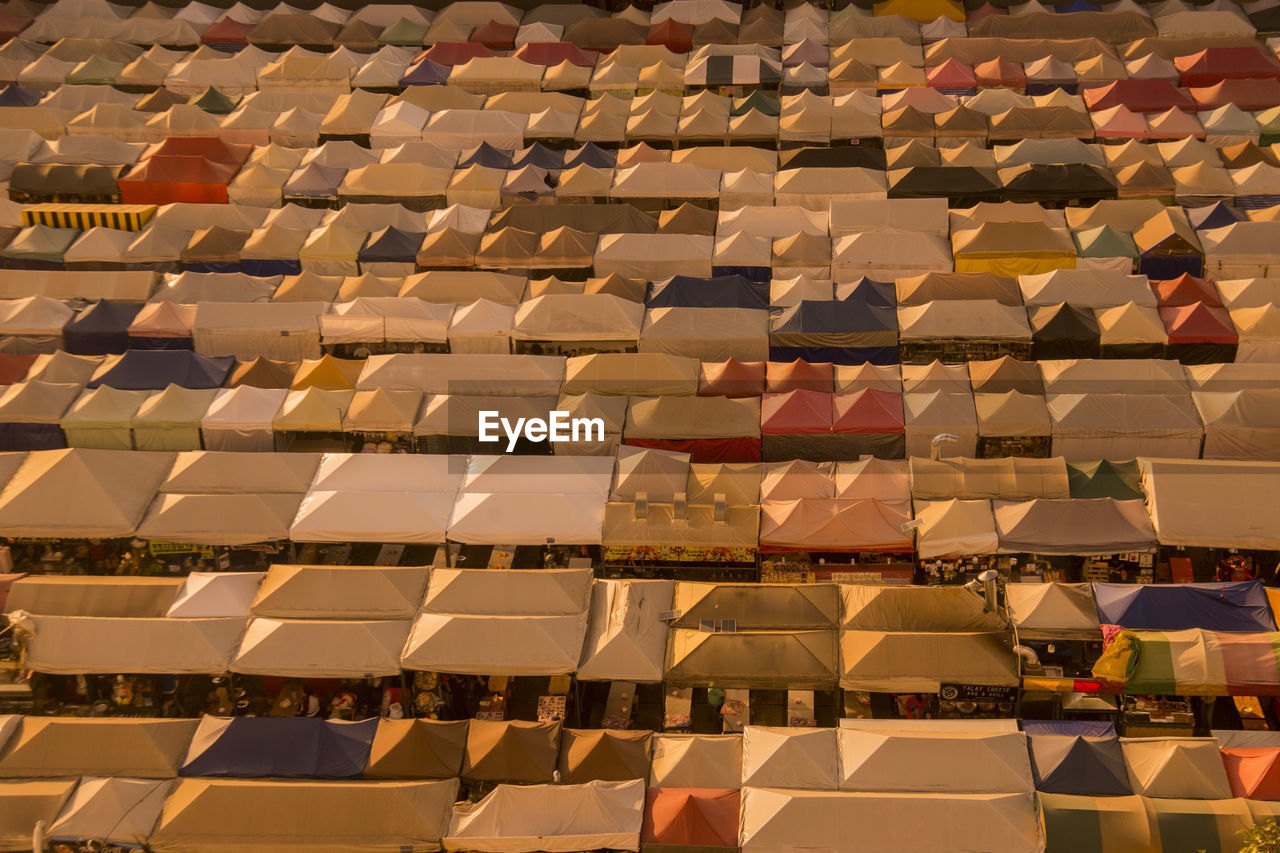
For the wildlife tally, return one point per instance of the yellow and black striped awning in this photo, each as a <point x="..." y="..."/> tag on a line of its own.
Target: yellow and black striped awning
<point x="125" y="217"/>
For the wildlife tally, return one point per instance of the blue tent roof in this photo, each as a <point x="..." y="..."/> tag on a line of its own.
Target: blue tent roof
<point x="879" y="293"/>
<point x="100" y="329"/>
<point x="251" y="747"/>
<point x="1236" y="606"/>
<point x="539" y="155"/>
<point x="591" y="155"/>
<point x="1218" y="215"/>
<point x="1077" y="6"/>
<point x="1072" y="764"/>
<point x="1086" y="728"/>
<point x="836" y="318"/>
<point x="155" y="370"/>
<point x="486" y="155"/>
<point x="424" y="72"/>
<point x="391" y="244"/>
<point x="16" y="96"/>
<point x="727" y="291"/>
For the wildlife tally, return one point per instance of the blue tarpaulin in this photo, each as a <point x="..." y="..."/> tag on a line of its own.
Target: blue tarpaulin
<point x="730" y="291"/>
<point x="155" y="370"/>
<point x="1235" y="606"/>
<point x="101" y="329"/>
<point x="254" y="747"/>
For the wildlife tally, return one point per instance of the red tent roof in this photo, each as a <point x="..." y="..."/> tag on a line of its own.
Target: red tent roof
<point x="677" y="37"/>
<point x="1141" y="96"/>
<point x="551" y="53"/>
<point x="870" y="410"/>
<point x="690" y="817"/>
<point x="796" y="413"/>
<point x="1253" y="772"/>
<point x="800" y="375"/>
<point x="496" y="35"/>
<point x="177" y="169"/>
<point x="13" y="368"/>
<point x="226" y="31"/>
<point x="950" y="75"/>
<point x="1186" y="289"/>
<point x="209" y="148"/>
<point x="1000" y="72"/>
<point x="1225" y="63"/>
<point x="1248" y="95"/>
<point x="1198" y="324"/>
<point x="11" y="26"/>
<point x="732" y="378"/>
<point x="454" y="52"/>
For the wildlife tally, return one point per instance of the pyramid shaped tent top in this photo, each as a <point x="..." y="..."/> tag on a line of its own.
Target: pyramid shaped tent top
<point x="1065" y="764"/>
<point x="1105" y="479"/>
<point x="81" y="493"/>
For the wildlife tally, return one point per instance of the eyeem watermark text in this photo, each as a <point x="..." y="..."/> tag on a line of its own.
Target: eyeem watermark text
<point x="558" y="427"/>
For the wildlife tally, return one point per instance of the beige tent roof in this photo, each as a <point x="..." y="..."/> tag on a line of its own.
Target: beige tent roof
<point x="603" y="754"/>
<point x="1212" y="504"/>
<point x="846" y="821"/>
<point x="320" y="648"/>
<point x="1053" y="611"/>
<point x="929" y="761"/>
<point x="696" y="761"/>
<point x="107" y="596"/>
<point x="117" y="810"/>
<point x="81" y="493"/>
<point x="522" y="819"/>
<point x="511" y="750"/>
<point x="955" y="527"/>
<point x="24" y="804"/>
<point x="653" y="374"/>
<point x="97" y="746"/>
<point x="73" y="644"/>
<point x="696" y="528"/>
<point x="914" y="608"/>
<point x="417" y="748"/>
<point x="757" y="606"/>
<point x="341" y="592"/>
<point x="1010" y="478"/>
<point x="789" y="758"/>
<point x="256" y="816"/>
<point x="752" y="659"/>
<point x="626" y="638"/>
<point x="693" y="417"/>
<point x="1183" y="768"/>
<point x="908" y="661"/>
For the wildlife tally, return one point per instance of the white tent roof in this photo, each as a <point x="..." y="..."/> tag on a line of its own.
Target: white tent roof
<point x="112" y="809"/>
<point x="1182" y="768"/>
<point x="216" y="594"/>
